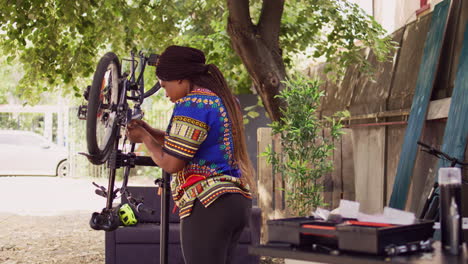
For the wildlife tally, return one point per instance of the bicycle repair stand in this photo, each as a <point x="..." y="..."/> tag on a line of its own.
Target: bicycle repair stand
<point x="131" y="160"/>
<point x="164" y="183"/>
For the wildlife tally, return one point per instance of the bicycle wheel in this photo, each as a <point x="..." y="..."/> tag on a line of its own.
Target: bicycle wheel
<point x="101" y="120"/>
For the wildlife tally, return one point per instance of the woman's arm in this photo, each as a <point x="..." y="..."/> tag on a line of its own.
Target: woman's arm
<point x="157" y="134"/>
<point x="165" y="161"/>
<point x="137" y="134"/>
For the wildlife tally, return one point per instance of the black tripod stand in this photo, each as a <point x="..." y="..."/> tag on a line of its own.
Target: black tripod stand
<point x="130" y="160"/>
<point x="430" y="210"/>
<point x="164" y="183"/>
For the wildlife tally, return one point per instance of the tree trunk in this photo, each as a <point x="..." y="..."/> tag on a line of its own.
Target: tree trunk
<point x="258" y="48"/>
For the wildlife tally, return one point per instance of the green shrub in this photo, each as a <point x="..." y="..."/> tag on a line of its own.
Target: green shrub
<point x="305" y="154"/>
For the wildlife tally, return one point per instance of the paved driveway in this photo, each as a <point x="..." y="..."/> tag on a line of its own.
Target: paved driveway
<point x="44" y="196"/>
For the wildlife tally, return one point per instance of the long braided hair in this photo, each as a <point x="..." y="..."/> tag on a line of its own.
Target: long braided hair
<point x="180" y="63"/>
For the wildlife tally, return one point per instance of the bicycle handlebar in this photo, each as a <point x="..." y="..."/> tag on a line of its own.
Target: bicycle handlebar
<point x="433" y="151"/>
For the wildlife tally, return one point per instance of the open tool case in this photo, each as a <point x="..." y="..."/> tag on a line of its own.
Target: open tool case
<point x="348" y="235"/>
<point x="302" y="231"/>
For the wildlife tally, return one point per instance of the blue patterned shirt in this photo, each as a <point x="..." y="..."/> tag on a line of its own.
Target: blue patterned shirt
<point x="200" y="132"/>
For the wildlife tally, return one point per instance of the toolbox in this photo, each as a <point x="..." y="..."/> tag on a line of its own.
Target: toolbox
<point x="302" y="231"/>
<point x="347" y="235"/>
<point x="374" y="238"/>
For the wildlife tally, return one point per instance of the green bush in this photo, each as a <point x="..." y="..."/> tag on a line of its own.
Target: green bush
<point x="305" y="154"/>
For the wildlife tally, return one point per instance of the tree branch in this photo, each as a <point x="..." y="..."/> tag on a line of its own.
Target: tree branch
<point x="270" y="21"/>
<point x="261" y="58"/>
<point x="239" y="13"/>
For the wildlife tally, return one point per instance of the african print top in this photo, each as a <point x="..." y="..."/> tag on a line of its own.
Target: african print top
<point x="200" y="132"/>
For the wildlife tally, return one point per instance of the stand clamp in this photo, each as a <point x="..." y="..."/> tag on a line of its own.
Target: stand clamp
<point x="118" y="159"/>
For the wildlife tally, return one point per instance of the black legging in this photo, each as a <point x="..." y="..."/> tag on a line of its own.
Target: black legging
<point x="210" y="235"/>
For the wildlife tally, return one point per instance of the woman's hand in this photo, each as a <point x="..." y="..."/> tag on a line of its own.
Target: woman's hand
<point x="136" y="131"/>
<point x="139" y="122"/>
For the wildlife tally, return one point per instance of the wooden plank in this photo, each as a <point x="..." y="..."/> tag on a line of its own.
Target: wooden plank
<point x="438" y="109"/>
<point x="326" y="179"/>
<point x="336" y="175"/>
<point x="278" y="183"/>
<point x="420" y="103"/>
<point x="465" y="193"/>
<point x="395" y="137"/>
<point x="265" y="182"/>
<point x="347" y="165"/>
<point x="424" y="168"/>
<point x="368" y="147"/>
<point x="409" y="54"/>
<point x="456" y="130"/>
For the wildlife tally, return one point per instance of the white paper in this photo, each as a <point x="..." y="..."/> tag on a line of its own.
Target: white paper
<point x="321" y="213"/>
<point x="348" y="209"/>
<point x="399" y="217"/>
<point x="389" y="216"/>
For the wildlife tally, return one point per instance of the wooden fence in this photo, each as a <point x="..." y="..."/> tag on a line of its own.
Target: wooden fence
<point x="365" y="160"/>
<point x="338" y="184"/>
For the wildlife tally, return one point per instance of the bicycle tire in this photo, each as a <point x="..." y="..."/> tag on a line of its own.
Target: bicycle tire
<point x="153" y="90"/>
<point x="101" y="119"/>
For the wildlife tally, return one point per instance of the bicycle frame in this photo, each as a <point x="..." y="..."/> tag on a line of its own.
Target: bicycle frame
<point x="108" y="219"/>
<point x="121" y="115"/>
<point x="430" y="207"/>
<point x="125" y="115"/>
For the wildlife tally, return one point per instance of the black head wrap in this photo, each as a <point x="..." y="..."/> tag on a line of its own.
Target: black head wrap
<point x="179" y="63"/>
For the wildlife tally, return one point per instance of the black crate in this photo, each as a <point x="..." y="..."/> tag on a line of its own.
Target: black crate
<point x="302" y="231"/>
<point x="373" y="238"/>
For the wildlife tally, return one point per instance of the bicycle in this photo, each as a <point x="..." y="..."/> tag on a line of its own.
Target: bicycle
<point x="430" y="209"/>
<point x="107" y="113"/>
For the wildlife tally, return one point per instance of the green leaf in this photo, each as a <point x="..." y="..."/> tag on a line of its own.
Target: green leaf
<point x="253" y="114"/>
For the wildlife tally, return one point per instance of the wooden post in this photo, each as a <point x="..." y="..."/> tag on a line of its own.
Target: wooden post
<point x="369" y="157"/>
<point x="265" y="180"/>
<point x="326" y="179"/>
<point x="347" y="166"/>
<point x="336" y="175"/>
<point x="278" y="183"/>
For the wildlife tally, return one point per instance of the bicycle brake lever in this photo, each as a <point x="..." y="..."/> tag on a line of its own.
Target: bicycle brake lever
<point x="100" y="187"/>
<point x="101" y="193"/>
<point x="114" y="194"/>
<point x="153" y="59"/>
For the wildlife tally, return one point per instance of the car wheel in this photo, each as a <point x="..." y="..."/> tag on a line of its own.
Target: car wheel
<point x="63" y="169"/>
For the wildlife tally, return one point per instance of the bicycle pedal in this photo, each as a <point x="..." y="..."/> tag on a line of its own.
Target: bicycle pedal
<point x="107" y="220"/>
<point x="82" y="112"/>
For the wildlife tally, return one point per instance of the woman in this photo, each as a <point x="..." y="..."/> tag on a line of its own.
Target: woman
<point x="204" y="145"/>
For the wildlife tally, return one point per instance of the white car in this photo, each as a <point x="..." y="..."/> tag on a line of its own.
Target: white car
<point x="27" y="153"/>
